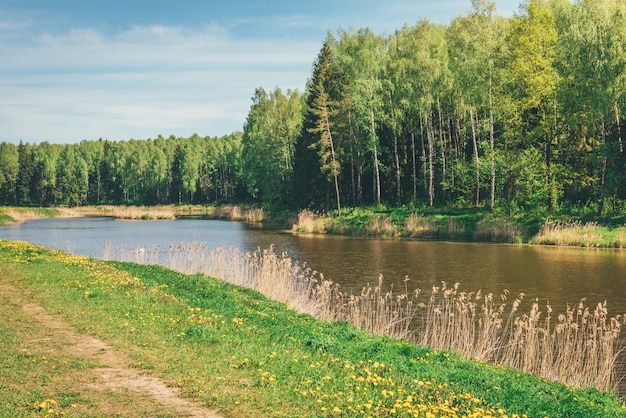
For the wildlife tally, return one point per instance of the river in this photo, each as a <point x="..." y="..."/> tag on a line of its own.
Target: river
<point x="556" y="275"/>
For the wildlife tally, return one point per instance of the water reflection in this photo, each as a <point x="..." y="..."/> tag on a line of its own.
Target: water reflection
<point x="556" y="274"/>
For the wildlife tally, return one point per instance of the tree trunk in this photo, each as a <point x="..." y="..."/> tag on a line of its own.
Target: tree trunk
<point x="414" y="165"/>
<point x="431" y="151"/>
<point x="619" y="128"/>
<point x="332" y="153"/>
<point x="395" y="154"/>
<point x="492" y="198"/>
<point x="442" y="143"/>
<point x="604" y="164"/>
<point x="424" y="165"/>
<point x="475" y="144"/>
<point x="376" y="168"/>
<point x="352" y="181"/>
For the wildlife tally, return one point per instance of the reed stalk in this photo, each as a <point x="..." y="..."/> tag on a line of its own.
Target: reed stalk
<point x="579" y="348"/>
<point x="309" y="222"/>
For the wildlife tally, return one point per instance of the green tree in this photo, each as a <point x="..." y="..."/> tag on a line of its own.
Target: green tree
<point x="269" y="135"/>
<point x="531" y="80"/>
<point x="9" y="171"/>
<point x="315" y="156"/>
<point x="426" y="47"/>
<point x="26" y="170"/>
<point x="473" y="42"/>
<point x="43" y="182"/>
<point x="366" y="56"/>
<point x="592" y="63"/>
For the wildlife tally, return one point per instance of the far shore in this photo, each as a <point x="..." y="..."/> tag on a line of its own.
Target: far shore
<point x="459" y="225"/>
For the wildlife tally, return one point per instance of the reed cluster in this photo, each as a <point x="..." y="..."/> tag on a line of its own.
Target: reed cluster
<point x="11" y="214"/>
<point x="410" y="224"/>
<point x="420" y="226"/>
<point x="381" y="226"/>
<point x="239" y="213"/>
<point x="498" y="230"/>
<point x="309" y="222"/>
<point x="141" y="212"/>
<point x="577" y="233"/>
<point x="580" y="347"/>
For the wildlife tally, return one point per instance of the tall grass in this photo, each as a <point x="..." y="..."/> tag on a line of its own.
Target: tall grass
<point x="140" y="212"/>
<point x="15" y="214"/>
<point x="410" y="224"/>
<point x="579" y="348"/>
<point x="420" y="226"/>
<point x="498" y="230"/>
<point x="577" y="233"/>
<point x="309" y="222"/>
<point x="239" y="213"/>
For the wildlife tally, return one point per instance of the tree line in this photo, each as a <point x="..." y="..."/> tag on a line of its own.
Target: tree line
<point x="148" y="172"/>
<point x="522" y="113"/>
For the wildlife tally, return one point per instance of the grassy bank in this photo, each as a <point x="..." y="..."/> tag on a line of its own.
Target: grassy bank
<point x="577" y="233"/>
<point x="477" y="225"/>
<point x="230" y="348"/>
<point x="453" y="224"/>
<point x="239" y="213"/>
<point x="10" y="215"/>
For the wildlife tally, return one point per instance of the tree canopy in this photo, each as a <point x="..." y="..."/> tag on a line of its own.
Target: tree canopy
<point x="509" y="113"/>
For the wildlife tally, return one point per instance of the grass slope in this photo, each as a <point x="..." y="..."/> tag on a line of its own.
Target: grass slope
<point x="231" y="349"/>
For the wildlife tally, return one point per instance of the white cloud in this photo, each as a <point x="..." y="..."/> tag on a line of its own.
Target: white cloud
<point x="140" y="82"/>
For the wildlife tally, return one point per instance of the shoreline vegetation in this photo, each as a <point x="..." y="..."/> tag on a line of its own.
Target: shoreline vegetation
<point x="578" y="347"/>
<point x="472" y="225"/>
<point x="266" y="358"/>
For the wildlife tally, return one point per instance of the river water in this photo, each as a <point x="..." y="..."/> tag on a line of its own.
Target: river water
<point x="556" y="275"/>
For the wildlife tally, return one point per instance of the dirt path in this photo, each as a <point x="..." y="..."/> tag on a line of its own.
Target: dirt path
<point x="114" y="372"/>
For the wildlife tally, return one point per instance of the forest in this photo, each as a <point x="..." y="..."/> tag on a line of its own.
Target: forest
<point x="519" y="114"/>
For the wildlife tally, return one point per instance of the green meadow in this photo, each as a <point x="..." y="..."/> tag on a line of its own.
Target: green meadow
<point x="232" y="350"/>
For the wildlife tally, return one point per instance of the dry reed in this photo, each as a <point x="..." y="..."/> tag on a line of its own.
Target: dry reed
<point x="576" y="233"/>
<point x="141" y="212"/>
<point x="381" y="225"/>
<point x="580" y="348"/>
<point x="454" y="230"/>
<point x="420" y="226"/>
<point x="500" y="230"/>
<point x="239" y="213"/>
<point x="309" y="222"/>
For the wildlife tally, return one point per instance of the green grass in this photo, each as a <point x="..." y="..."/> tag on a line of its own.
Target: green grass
<point x="589" y="234"/>
<point x="424" y="223"/>
<point x="5" y="219"/>
<point x="232" y="349"/>
<point x="21" y="213"/>
<point x="469" y="224"/>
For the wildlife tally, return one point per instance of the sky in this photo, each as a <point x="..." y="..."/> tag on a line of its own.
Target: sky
<point x="73" y="70"/>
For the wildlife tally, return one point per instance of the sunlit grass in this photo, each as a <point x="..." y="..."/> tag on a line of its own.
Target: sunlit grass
<point x="576" y="233"/>
<point x="578" y="347"/>
<point x="10" y="214"/>
<point x="405" y="223"/>
<point x="230" y="348"/>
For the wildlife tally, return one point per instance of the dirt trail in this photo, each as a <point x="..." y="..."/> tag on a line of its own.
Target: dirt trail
<point x="116" y="372"/>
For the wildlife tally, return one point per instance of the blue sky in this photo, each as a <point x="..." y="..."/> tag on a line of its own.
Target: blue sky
<point x="120" y="69"/>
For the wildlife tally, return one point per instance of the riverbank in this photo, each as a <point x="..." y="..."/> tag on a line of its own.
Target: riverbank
<point x="237" y="213"/>
<point x="472" y="225"/>
<point x="230" y="349"/>
<point x="11" y="214"/>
